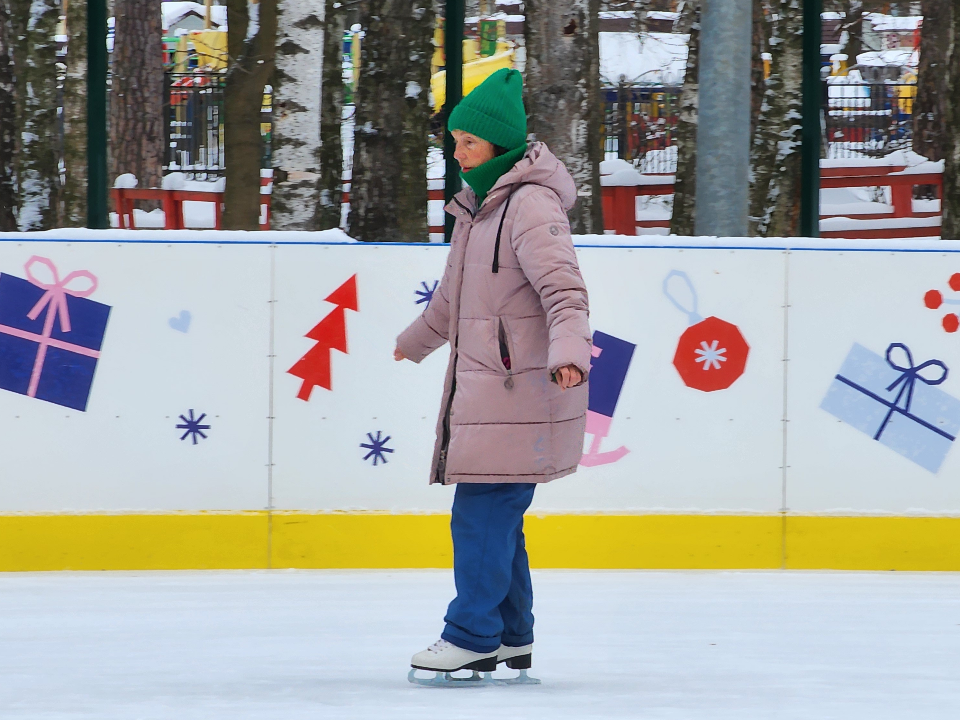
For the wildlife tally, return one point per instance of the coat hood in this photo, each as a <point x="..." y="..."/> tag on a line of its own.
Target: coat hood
<point x="538" y="166"/>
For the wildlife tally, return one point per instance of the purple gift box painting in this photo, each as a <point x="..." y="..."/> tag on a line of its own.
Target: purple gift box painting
<point x="50" y="334"/>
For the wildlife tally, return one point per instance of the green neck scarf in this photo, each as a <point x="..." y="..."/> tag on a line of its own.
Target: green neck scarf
<point x="483" y="177"/>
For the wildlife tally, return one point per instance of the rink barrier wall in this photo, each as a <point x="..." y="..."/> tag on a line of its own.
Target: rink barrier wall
<point x="756" y="475"/>
<point x="260" y="540"/>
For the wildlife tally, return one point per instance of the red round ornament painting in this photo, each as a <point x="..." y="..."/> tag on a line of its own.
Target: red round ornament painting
<point x="712" y="353"/>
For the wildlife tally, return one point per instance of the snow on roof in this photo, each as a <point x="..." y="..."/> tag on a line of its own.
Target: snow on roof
<point x="900" y="57"/>
<point x="174" y="12"/>
<point x="648" y="58"/>
<point x="891" y="23"/>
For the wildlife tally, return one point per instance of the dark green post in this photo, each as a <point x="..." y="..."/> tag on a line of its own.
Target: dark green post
<point x="97" y="115"/>
<point x="453" y="48"/>
<point x="812" y="90"/>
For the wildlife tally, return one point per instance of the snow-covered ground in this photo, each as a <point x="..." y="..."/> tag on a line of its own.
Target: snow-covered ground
<point x="316" y="644"/>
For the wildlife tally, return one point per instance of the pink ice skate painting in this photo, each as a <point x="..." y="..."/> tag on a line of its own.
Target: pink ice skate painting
<point x="608" y="370"/>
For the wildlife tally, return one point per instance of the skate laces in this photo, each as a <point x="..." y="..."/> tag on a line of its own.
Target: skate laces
<point x="439" y="646"/>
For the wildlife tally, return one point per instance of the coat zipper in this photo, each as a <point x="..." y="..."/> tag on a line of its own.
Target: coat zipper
<point x="442" y="461"/>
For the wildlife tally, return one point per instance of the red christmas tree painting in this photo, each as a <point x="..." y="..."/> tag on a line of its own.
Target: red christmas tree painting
<point x="330" y="334"/>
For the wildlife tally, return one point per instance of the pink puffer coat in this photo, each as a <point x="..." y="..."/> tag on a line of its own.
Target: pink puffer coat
<point x="513" y="306"/>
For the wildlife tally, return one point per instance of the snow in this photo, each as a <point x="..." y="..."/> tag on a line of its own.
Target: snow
<point x="888" y="23"/>
<point x="649" y="58"/>
<point x="843" y="223"/>
<point x="900" y="57"/>
<point x="126" y="181"/>
<point x="319" y="644"/>
<point x="628" y="177"/>
<point x="173" y="12"/>
<point x="854" y="208"/>
<point x="613" y="165"/>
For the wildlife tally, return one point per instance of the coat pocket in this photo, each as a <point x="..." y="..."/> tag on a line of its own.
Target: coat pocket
<point x="505" y="348"/>
<point x="503" y="343"/>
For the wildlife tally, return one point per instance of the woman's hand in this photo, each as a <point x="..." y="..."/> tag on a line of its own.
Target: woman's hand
<point x="397" y="355"/>
<point x="568" y="376"/>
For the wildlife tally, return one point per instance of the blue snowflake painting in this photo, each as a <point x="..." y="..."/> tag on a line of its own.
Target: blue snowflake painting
<point x="193" y="427"/>
<point x="426" y="295"/>
<point x="377" y="447"/>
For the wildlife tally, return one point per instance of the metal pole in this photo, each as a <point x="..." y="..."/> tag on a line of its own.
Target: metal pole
<point x="453" y="48"/>
<point x="723" y="128"/>
<point x="97" y="115"/>
<point x="811" y="132"/>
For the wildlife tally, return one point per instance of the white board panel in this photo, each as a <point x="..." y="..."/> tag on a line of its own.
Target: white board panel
<point x="873" y="298"/>
<point x="319" y="461"/>
<point x="124" y="452"/>
<point x="689" y="449"/>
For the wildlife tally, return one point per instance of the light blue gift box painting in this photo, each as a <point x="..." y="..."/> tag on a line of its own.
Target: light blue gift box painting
<point x="897" y="403"/>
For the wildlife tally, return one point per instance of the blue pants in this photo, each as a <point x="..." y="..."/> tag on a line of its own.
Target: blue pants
<point x="494" y="602"/>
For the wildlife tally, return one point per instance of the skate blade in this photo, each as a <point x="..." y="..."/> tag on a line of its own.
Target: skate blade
<point x="476" y="679"/>
<point x="522" y="679"/>
<point x="445" y="679"/>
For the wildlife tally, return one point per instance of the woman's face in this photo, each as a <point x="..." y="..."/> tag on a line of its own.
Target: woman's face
<point x="471" y="150"/>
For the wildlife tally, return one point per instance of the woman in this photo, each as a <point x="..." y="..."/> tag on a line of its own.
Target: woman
<point x="513" y="307"/>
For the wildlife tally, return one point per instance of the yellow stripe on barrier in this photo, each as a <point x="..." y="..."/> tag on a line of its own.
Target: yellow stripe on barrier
<point x="174" y="541"/>
<point x="361" y="540"/>
<point x="233" y="540"/>
<point x="873" y="543"/>
<point x="654" y="541"/>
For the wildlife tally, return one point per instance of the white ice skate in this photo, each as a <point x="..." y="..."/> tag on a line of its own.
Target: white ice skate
<point x="444" y="659"/>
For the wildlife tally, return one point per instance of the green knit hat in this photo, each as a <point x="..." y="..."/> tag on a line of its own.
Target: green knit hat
<point x="494" y="111"/>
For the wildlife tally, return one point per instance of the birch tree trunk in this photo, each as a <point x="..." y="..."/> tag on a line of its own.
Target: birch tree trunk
<point x="950" y="229"/>
<point x="758" y="83"/>
<point x="380" y="192"/>
<point x="775" y="150"/>
<point x="296" y="114"/>
<point x="73" y="205"/>
<point x="930" y="107"/>
<point x="8" y="124"/>
<point x="562" y="95"/>
<point x="136" y="93"/>
<point x="251" y="41"/>
<point x="685" y="185"/>
<point x="35" y="57"/>
<point x="331" y="117"/>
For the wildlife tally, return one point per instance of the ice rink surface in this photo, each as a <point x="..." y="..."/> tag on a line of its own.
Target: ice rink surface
<point x="317" y="644"/>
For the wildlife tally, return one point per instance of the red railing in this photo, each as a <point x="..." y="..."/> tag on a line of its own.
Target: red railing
<point x="171" y="202"/>
<point x="619" y="203"/>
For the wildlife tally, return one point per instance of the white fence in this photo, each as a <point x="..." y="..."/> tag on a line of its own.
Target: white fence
<point x="211" y="324"/>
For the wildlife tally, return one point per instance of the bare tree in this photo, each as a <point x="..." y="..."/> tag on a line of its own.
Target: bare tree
<point x="416" y="120"/>
<point x="35" y="58"/>
<point x="685" y="185"/>
<point x="391" y="94"/>
<point x="950" y="227"/>
<point x="73" y="194"/>
<point x="136" y="93"/>
<point x="8" y="124"/>
<point x="330" y="184"/>
<point x="251" y="40"/>
<point x="775" y="150"/>
<point x="563" y="95"/>
<point x="296" y="113"/>
<point x="930" y="108"/>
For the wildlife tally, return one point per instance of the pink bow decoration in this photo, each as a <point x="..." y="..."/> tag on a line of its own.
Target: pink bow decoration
<point x="56" y="293"/>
